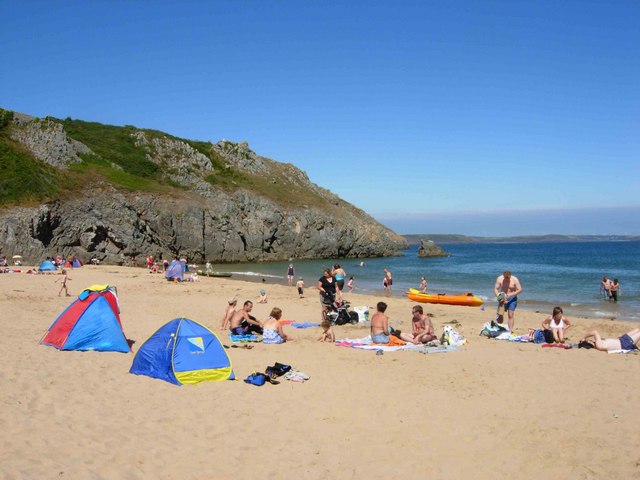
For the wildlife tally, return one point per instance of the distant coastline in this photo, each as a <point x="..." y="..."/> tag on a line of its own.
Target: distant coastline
<point x="415" y="238"/>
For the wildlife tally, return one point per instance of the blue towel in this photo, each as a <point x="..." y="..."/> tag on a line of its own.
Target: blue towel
<point x="304" y="325"/>
<point x="243" y="338"/>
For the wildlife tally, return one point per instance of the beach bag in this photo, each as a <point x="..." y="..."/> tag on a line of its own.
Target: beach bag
<point x="278" y="369"/>
<point x="492" y="329"/>
<point x="257" y="379"/>
<point x="452" y="337"/>
<point x="354" y="318"/>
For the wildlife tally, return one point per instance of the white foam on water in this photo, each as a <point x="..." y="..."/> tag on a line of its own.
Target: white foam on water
<point x="257" y="274"/>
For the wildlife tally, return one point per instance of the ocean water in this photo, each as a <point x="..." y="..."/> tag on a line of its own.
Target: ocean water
<point x="565" y="274"/>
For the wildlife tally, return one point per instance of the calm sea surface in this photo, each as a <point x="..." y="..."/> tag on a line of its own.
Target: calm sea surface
<point x="565" y="274"/>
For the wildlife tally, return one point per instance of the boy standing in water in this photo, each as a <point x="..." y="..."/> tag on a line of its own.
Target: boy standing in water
<point x="614" y="290"/>
<point x="64" y="278"/>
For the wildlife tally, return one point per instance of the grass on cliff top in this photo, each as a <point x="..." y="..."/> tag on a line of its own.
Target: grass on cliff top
<point x="117" y="159"/>
<point x="113" y="144"/>
<point x="24" y="179"/>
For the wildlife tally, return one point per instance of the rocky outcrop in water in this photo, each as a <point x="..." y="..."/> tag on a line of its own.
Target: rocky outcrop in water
<point x="428" y="249"/>
<point x="199" y="220"/>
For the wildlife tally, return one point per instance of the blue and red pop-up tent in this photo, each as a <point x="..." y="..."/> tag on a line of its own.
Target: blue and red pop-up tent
<point x="91" y="322"/>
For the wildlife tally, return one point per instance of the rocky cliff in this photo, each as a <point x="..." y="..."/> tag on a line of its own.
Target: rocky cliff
<point x="123" y="191"/>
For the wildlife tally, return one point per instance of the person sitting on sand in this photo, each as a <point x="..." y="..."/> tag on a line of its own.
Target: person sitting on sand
<point x="263" y="297"/>
<point x="242" y="323"/>
<point x="421" y="326"/>
<point x="380" y="324"/>
<point x="557" y="323"/>
<point x="327" y="334"/>
<point x="273" y="332"/>
<point x="64" y="279"/>
<point x="628" y="341"/>
<point x="229" y="312"/>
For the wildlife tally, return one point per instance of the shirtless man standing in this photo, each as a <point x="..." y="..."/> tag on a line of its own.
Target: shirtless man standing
<point x="242" y="323"/>
<point x="510" y="286"/>
<point x="229" y="312"/>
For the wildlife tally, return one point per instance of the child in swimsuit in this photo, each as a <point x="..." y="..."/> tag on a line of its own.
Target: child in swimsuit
<point x="350" y="284"/>
<point x="64" y="280"/>
<point x="327" y="334"/>
<point x="263" y="297"/>
<point x="557" y="323"/>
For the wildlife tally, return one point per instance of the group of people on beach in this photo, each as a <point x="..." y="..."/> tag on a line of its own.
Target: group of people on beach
<point x="241" y="322"/>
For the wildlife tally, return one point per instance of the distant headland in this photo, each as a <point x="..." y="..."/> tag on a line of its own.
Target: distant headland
<point x="415" y="239"/>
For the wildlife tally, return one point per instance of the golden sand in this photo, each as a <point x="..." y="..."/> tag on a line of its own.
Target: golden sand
<point x="490" y="410"/>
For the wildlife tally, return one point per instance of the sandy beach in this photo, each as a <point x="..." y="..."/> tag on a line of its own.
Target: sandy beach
<point x="492" y="409"/>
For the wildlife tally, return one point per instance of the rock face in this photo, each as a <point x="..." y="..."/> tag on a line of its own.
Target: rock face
<point x="199" y="221"/>
<point x="47" y="141"/>
<point x="428" y="249"/>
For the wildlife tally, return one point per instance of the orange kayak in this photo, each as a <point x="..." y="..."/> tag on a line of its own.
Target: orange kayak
<point x="467" y="299"/>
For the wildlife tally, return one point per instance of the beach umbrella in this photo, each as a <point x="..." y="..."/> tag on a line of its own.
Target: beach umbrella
<point x="16" y="256"/>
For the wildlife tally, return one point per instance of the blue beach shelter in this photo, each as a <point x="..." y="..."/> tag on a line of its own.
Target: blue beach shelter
<point x="175" y="271"/>
<point x="47" y="266"/>
<point x="183" y="352"/>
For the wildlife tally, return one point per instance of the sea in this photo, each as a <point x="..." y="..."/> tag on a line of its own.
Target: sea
<point x="564" y="274"/>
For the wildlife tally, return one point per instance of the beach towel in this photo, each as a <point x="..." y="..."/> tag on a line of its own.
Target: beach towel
<point x="243" y="338"/>
<point x="365" y="343"/>
<point x="304" y="325"/>
<point x="514" y="338"/>
<point x="556" y="345"/>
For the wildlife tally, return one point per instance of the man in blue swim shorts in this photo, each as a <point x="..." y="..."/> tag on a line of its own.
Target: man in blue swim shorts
<point x="510" y="286"/>
<point x="628" y="341"/>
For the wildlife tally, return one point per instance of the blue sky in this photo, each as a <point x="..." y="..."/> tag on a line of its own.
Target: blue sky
<point x="487" y="118"/>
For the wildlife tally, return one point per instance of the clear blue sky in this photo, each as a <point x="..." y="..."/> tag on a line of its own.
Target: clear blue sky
<point x="490" y="118"/>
